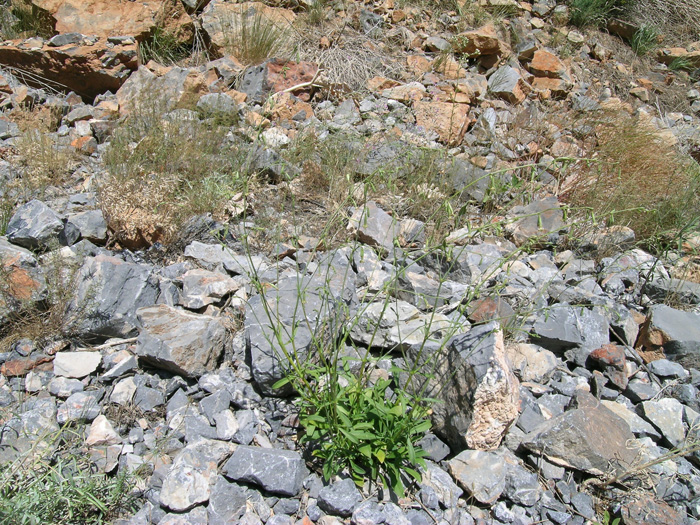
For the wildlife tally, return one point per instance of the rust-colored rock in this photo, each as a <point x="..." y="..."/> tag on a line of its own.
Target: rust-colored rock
<point x="288" y="108"/>
<point x="482" y="41"/>
<point x="546" y="64"/>
<point x="648" y="511"/>
<point x="611" y="359"/>
<point x="87" y="70"/>
<point x="178" y="88"/>
<point x="105" y="18"/>
<point x="449" y="121"/>
<point x="20" y="367"/>
<point x="555" y="86"/>
<point x="381" y="83"/>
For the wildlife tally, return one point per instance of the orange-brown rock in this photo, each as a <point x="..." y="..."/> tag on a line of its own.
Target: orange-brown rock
<point x="413" y="91"/>
<point x="449" y="121"/>
<point x="87" y="70"/>
<point x="555" y="86"/>
<point x="546" y="64"/>
<point x="449" y="68"/>
<point x="482" y="41"/>
<point x="87" y="145"/>
<point x="106" y="18"/>
<point x="418" y="64"/>
<point x="381" y="83"/>
<point x="288" y="108"/>
<point x="20" y="367"/>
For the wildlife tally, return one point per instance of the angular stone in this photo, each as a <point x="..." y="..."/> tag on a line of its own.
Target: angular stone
<point x="540" y="219"/>
<point x="373" y="226"/>
<point x="213" y="256"/>
<point x="448" y="493"/>
<point x="676" y="331"/>
<point x="22" y="277"/>
<point x="183" y="488"/>
<point x="90" y="70"/>
<point x="667" y="415"/>
<point x="275" y="75"/>
<point x="482" y="41"/>
<point x="450" y="121"/>
<point x="91" y="225"/>
<point x="564" y="327"/>
<point x="531" y="362"/>
<point x="277" y="471"/>
<point x="178" y="341"/>
<point x="574" y="439"/>
<point x="102" y="433"/>
<point x="284" y="321"/>
<point x="546" y="64"/>
<point x="108" y="294"/>
<point x="32" y="431"/>
<point x="648" y="511"/>
<point x="63" y="387"/>
<point x="637" y="424"/>
<point x="611" y="359"/>
<point x="34" y="225"/>
<point x="79" y="406"/>
<point x="339" y="498"/>
<point x="470" y="375"/>
<point x="506" y="83"/>
<point x="76" y="364"/>
<point x="202" y="287"/>
<point x="481" y="474"/>
<point x="227" y="502"/>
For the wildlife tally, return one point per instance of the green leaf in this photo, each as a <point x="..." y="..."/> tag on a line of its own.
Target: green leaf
<point x="411" y="451"/>
<point x="380" y="455"/>
<point x="282" y="382"/>
<point x="366" y="450"/>
<point x="414" y="474"/>
<point x="422" y="427"/>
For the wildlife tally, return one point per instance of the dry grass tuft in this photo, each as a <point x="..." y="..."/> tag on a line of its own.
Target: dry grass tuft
<point x="677" y="19"/>
<point x="637" y="178"/>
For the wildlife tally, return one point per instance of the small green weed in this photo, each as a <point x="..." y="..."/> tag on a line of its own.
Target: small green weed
<point x="164" y="47"/>
<point x="681" y="64"/>
<point x="595" y="13"/>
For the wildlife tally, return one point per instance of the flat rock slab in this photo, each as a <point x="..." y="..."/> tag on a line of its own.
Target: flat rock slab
<point x="564" y="327"/>
<point x="178" y="341"/>
<point x="575" y="439"/>
<point x="481" y="474"/>
<point x="202" y="287"/>
<point x="539" y="219"/>
<point x="373" y="226"/>
<point x="667" y="415"/>
<point x="277" y="471"/>
<point x="76" y="364"/>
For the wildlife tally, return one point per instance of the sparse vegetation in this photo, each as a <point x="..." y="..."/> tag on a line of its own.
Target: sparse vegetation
<point x="23" y="19"/>
<point x="253" y="37"/>
<point x="63" y="488"/>
<point x="647" y="184"/>
<point x="645" y="40"/>
<point x="595" y="13"/>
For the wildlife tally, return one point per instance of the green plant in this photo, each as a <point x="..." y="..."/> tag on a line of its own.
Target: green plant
<point x="253" y="37"/>
<point x="350" y="423"/>
<point x="62" y="487"/>
<point x="594" y="13"/>
<point x="681" y="64"/>
<point x="645" y="40"/>
<point x="45" y="162"/>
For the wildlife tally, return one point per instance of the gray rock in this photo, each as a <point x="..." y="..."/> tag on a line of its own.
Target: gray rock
<point x="434" y="448"/>
<point x="339" y="498"/>
<point x="147" y="398"/>
<point x="447" y="492"/>
<point x="227" y="502"/>
<point x="638" y="425"/>
<point x="81" y="406"/>
<point x="666" y="415"/>
<point x="373" y="226"/>
<point x="9" y="129"/>
<point x="26" y="281"/>
<point x="247" y="427"/>
<point x="65" y="39"/>
<point x="574" y="439"/>
<point x="202" y="287"/>
<point x="506" y="83"/>
<point x="197" y="516"/>
<point x="108" y="294"/>
<point x="522" y="485"/>
<point x="33" y="429"/>
<point x="215" y="403"/>
<point x="213" y="256"/>
<point x="63" y="387"/>
<point x="471" y="377"/>
<point x="76" y="364"/>
<point x="370" y="23"/>
<point x="91" y="225"/>
<point x="178" y="341"/>
<point x="666" y="368"/>
<point x="277" y="471"/>
<point x="678" y="332"/>
<point x="540" y="220"/>
<point x="564" y="327"/>
<point x="368" y="513"/>
<point x="286" y="320"/>
<point x="481" y="474"/>
<point x="662" y="288"/>
<point x="183" y="488"/>
<point x="419" y="290"/>
<point x="217" y="104"/>
<point x="34" y="225"/>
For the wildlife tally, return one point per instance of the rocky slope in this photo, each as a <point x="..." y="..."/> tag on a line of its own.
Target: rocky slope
<point x="559" y="356"/>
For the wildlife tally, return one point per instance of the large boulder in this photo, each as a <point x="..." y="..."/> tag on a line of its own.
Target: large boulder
<point x="180" y="342"/>
<point x="105" y="18"/>
<point x="34" y="225"/>
<point x="676" y="332"/>
<point x="292" y="320"/>
<point x="276" y="471"/>
<point x="89" y="70"/>
<point x="471" y="377"/>
<point x="108" y="293"/>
